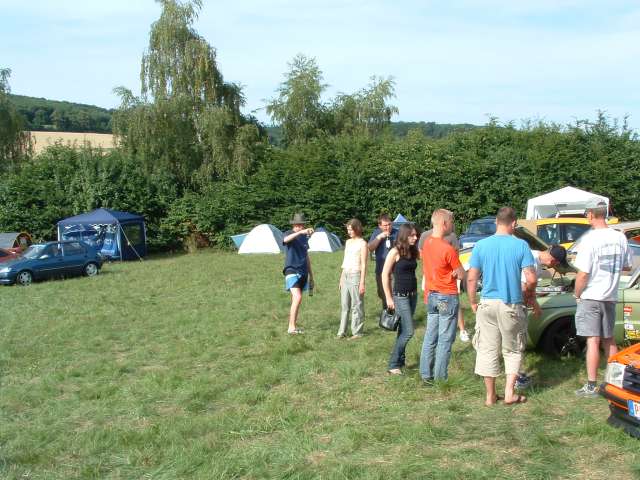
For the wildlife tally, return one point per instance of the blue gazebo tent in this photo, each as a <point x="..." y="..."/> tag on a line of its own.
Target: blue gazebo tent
<point x="119" y="235"/>
<point x="399" y="220"/>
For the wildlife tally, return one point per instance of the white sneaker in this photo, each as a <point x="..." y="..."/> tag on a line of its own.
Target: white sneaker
<point x="464" y="336"/>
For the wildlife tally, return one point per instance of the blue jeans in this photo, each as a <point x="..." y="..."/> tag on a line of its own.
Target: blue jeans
<point x="406" y="307"/>
<point x="442" y="318"/>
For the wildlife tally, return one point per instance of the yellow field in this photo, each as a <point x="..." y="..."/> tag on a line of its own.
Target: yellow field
<point x="42" y="140"/>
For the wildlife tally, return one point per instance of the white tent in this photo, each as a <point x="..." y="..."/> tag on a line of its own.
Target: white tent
<point x="264" y="238"/>
<point x="564" y="202"/>
<point x="324" y="241"/>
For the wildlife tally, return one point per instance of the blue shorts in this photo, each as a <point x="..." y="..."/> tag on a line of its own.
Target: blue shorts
<point x="295" y="280"/>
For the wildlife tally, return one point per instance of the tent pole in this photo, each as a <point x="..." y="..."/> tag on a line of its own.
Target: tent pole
<point x="119" y="242"/>
<point x="128" y="243"/>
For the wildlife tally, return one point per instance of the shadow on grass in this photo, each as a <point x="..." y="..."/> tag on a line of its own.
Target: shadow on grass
<point x="550" y="371"/>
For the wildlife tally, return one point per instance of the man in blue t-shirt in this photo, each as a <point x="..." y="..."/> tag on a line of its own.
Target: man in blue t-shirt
<point x="297" y="267"/>
<point x="381" y="241"/>
<point x="501" y="315"/>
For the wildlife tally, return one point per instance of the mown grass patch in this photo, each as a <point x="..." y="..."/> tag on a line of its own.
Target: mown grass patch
<point x="180" y="367"/>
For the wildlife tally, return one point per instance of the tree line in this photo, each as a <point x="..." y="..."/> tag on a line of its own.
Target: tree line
<point x="200" y="170"/>
<point x="42" y="114"/>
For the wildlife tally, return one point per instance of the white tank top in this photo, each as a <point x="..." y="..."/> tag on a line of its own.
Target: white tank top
<point x="352" y="248"/>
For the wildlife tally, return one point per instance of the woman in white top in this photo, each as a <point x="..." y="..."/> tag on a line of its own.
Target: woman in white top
<point x="354" y="270"/>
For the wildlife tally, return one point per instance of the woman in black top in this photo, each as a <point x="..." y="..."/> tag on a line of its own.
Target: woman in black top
<point x="402" y="262"/>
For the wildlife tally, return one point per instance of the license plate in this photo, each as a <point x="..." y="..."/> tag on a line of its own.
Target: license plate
<point x="634" y="408"/>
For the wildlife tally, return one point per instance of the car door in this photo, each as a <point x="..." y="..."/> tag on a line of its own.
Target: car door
<point x="75" y="256"/>
<point x="50" y="262"/>
<point x="628" y="312"/>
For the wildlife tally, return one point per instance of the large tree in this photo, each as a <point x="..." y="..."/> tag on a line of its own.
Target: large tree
<point x="366" y="111"/>
<point x="187" y="119"/>
<point x="14" y="141"/>
<point x="298" y="108"/>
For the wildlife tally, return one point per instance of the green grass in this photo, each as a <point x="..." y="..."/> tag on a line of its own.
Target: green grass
<point x="180" y="367"/>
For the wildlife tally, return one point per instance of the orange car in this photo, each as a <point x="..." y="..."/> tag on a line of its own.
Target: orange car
<point x="621" y="388"/>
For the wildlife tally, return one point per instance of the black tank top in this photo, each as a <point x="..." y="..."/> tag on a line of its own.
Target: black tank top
<point x="404" y="276"/>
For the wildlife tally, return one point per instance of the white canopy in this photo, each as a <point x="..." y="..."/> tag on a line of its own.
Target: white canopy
<point x="324" y="241"/>
<point x="264" y="238"/>
<point x="563" y="202"/>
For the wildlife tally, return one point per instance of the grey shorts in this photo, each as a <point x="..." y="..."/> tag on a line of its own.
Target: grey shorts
<point x="595" y="318"/>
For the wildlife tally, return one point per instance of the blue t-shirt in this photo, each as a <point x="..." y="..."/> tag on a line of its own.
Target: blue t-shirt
<point x="295" y="259"/>
<point x="500" y="259"/>
<point x="382" y="249"/>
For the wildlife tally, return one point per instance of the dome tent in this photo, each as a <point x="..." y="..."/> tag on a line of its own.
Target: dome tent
<point x="238" y="239"/>
<point x="399" y="220"/>
<point x="15" y="240"/>
<point x="323" y="240"/>
<point x="118" y="235"/>
<point x="264" y="238"/>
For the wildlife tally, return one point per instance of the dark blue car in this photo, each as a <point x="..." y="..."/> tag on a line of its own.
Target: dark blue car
<point x="478" y="229"/>
<point x="52" y="260"/>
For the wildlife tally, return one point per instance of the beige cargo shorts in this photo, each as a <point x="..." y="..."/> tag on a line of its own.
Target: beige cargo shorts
<point x="501" y="329"/>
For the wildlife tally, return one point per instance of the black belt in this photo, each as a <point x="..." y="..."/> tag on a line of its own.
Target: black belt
<point x="407" y="294"/>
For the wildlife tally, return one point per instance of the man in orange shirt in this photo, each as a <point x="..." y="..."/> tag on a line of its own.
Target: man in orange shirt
<point x="441" y="268"/>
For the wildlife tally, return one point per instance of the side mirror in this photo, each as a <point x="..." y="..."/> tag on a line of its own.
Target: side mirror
<point x="44" y="257"/>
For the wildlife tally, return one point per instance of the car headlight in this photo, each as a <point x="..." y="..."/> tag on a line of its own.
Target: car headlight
<point x="468" y="244"/>
<point x="614" y="374"/>
<point x="5" y="270"/>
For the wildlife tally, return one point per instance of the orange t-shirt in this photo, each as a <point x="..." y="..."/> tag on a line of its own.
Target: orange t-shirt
<point x="439" y="260"/>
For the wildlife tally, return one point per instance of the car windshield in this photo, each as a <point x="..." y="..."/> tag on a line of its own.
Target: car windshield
<point x="34" y="251"/>
<point x="482" y="229"/>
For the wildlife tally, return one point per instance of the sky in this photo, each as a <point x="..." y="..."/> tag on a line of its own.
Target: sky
<point x="455" y="61"/>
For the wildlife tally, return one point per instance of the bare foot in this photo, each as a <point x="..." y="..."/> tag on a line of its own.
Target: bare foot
<point x="517" y="399"/>
<point x="493" y="401"/>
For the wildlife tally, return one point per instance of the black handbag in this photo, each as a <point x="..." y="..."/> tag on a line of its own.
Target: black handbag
<point x="389" y="320"/>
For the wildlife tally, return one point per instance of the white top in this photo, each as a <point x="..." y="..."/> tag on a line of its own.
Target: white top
<point x="603" y="253"/>
<point x="537" y="266"/>
<point x="352" y="251"/>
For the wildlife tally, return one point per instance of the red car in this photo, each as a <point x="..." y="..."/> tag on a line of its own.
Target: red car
<point x="622" y="388"/>
<point x="6" y="255"/>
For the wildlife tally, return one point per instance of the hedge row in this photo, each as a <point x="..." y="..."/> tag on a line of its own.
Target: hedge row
<point x="333" y="179"/>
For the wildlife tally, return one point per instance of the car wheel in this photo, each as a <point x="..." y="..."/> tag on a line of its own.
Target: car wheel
<point x="560" y="339"/>
<point x="24" y="278"/>
<point x="91" y="269"/>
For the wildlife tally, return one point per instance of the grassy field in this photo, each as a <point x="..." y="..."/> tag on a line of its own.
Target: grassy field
<point x="179" y="367"/>
<point x="42" y="140"/>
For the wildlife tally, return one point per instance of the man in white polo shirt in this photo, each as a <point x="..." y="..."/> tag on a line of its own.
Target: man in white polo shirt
<point x="603" y="254"/>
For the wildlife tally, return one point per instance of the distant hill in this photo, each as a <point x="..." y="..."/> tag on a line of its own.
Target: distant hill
<point x="59" y="116"/>
<point x="429" y="129"/>
<point x="399" y="129"/>
<point x="53" y="115"/>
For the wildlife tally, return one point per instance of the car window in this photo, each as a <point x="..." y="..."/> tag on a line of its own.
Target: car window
<point x="34" y="251"/>
<point x="633" y="235"/>
<point x="484" y="228"/>
<point x="73" y="248"/>
<point x="54" y="250"/>
<point x="549" y="233"/>
<point x="573" y="232"/>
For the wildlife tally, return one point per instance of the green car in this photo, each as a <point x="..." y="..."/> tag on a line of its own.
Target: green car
<point x="554" y="331"/>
